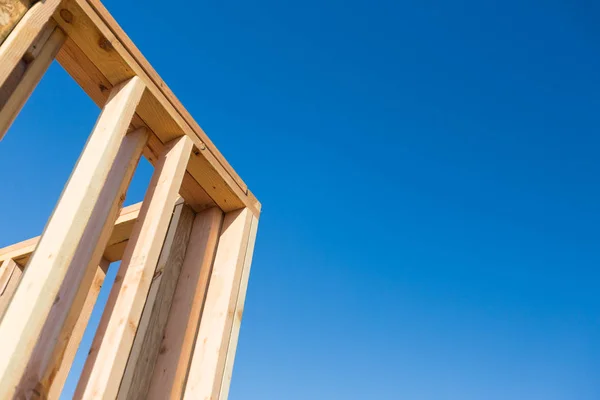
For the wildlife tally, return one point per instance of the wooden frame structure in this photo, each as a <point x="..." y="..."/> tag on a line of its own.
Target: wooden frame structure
<point x="170" y="327"/>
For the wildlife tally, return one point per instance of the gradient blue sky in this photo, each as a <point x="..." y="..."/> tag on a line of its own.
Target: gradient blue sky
<point x="429" y="175"/>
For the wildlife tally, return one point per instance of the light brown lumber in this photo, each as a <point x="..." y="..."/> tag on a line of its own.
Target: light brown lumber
<point x="23" y="35"/>
<point x="47" y="268"/>
<point x="20" y="252"/>
<point x="98" y="42"/>
<point x="6" y="270"/>
<point x="168" y="378"/>
<point x="146" y="345"/>
<point x="95" y="84"/>
<point x="9" y="289"/>
<point x="106" y="363"/>
<point x="210" y="353"/>
<point x="47" y="357"/>
<point x="77" y="332"/>
<point x="11" y="12"/>
<point x="239" y="311"/>
<point x="30" y="77"/>
<point x="137" y="56"/>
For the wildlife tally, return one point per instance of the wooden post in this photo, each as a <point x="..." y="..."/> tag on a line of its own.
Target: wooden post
<point x="48" y="353"/>
<point x="28" y="311"/>
<point x="158" y="304"/>
<point x="239" y="311"/>
<point x="112" y="344"/>
<point x="22" y="37"/>
<point x="27" y="75"/>
<point x="207" y="370"/>
<point x="168" y="379"/>
<point x="76" y="334"/>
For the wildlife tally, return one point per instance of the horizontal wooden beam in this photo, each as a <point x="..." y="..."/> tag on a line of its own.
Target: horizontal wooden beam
<point x="111" y="53"/>
<point x="20" y="252"/>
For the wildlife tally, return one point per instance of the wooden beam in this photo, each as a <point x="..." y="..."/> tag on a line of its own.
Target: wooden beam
<point x="47" y="357"/>
<point x="110" y="53"/>
<point x="15" y="94"/>
<point x="11" y="12"/>
<point x="23" y="36"/>
<point x="95" y="84"/>
<point x="168" y="379"/>
<point x="238" y="313"/>
<point x="137" y="56"/>
<point x="112" y="344"/>
<point x="150" y="332"/>
<point x="6" y="270"/>
<point x="207" y="368"/>
<point x="9" y="289"/>
<point x="20" y="252"/>
<point x="74" y="340"/>
<point x="31" y="304"/>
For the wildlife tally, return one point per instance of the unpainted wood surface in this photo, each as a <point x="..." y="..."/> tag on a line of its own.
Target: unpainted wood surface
<point x="11" y="12"/>
<point x="114" y="338"/>
<point x="23" y="35"/>
<point x="23" y="87"/>
<point x="74" y="340"/>
<point x="95" y="84"/>
<point x="28" y="312"/>
<point x="168" y="378"/>
<point x="21" y="251"/>
<point x="7" y="268"/>
<point x="150" y="332"/>
<point x="111" y="57"/>
<point x="48" y="354"/>
<point x="9" y="289"/>
<point x="210" y="352"/>
<point x="238" y="313"/>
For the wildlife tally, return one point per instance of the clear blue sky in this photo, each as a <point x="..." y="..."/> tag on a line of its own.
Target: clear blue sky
<point x="429" y="175"/>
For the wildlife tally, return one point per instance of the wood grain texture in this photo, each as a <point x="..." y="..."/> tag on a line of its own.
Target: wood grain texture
<point x="47" y="357"/>
<point x="20" y="252"/>
<point x="130" y="47"/>
<point x="146" y="345"/>
<point x="27" y="313"/>
<point x="99" y="43"/>
<point x="114" y="338"/>
<point x="168" y="378"/>
<point x="11" y="12"/>
<point x="9" y="289"/>
<point x="239" y="311"/>
<point x="21" y="89"/>
<point x="76" y="334"/>
<point x="97" y="86"/>
<point x="6" y="270"/>
<point x="23" y="35"/>
<point x="207" y="368"/>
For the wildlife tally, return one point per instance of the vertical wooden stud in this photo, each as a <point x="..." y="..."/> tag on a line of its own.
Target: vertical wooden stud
<point x="112" y="344"/>
<point x="28" y="311"/>
<point x="151" y="329"/>
<point x="239" y="311"/>
<point x="210" y="353"/>
<point x="168" y="379"/>
<point x="76" y="334"/>
<point x="47" y="357"/>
